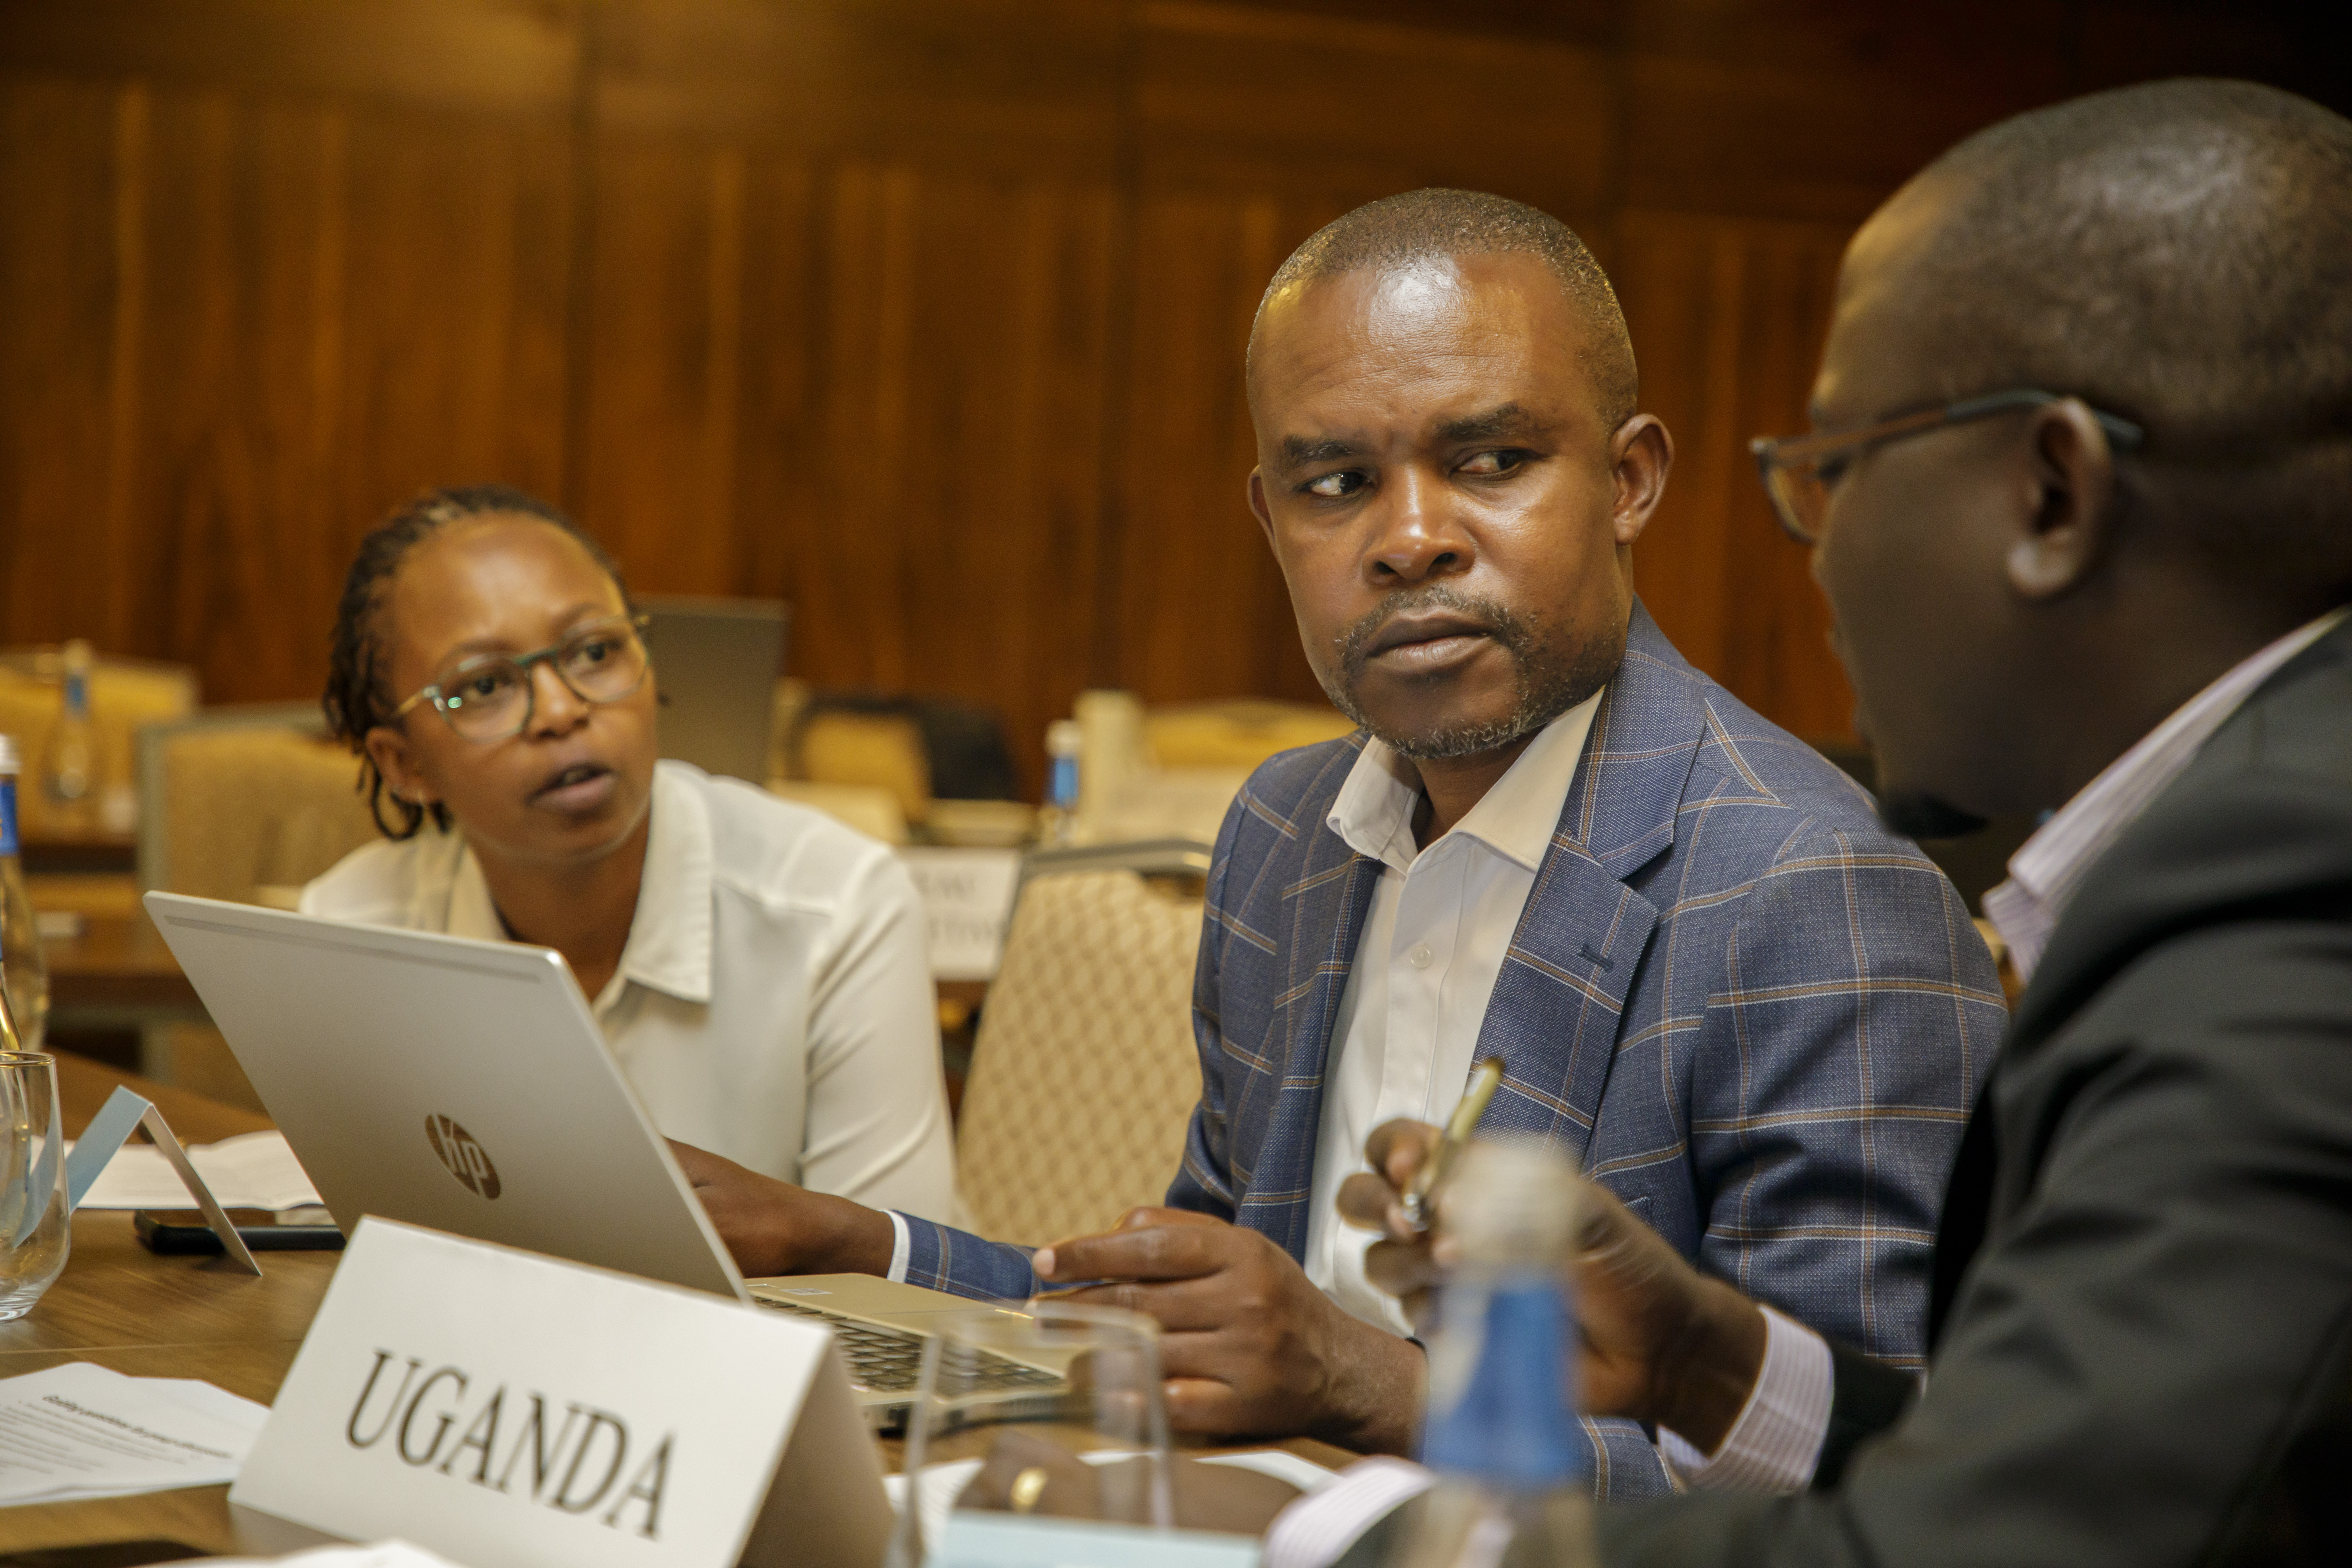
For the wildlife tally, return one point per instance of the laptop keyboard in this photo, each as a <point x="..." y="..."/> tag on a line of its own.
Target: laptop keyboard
<point x="889" y="1361"/>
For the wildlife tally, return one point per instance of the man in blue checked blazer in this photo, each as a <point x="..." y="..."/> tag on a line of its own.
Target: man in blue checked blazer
<point x="1710" y="974"/>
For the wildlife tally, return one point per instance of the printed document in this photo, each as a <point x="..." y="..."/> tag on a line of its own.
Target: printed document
<point x="80" y="1431"/>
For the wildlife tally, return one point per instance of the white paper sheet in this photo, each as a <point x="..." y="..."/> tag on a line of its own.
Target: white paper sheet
<point x="383" y="1554"/>
<point x="80" y="1431"/>
<point x="943" y="1483"/>
<point x="253" y="1171"/>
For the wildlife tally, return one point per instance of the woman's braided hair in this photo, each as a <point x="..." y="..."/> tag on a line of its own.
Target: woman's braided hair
<point x="356" y="700"/>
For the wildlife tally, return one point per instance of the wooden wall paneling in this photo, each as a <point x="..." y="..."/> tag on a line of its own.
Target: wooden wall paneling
<point x="349" y="305"/>
<point x="1241" y="97"/>
<point x="1203" y="611"/>
<point x="61" y="299"/>
<point x="1019" y="88"/>
<point x="665" y="362"/>
<point x="1727" y="318"/>
<point x="951" y="544"/>
<point x="448" y="56"/>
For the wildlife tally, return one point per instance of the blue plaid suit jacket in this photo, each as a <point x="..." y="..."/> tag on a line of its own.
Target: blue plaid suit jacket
<point x="1733" y="997"/>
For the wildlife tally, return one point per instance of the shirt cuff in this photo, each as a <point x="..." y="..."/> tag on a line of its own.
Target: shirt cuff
<point x="1317" y="1530"/>
<point x="1777" y="1441"/>
<point x="901" y="1244"/>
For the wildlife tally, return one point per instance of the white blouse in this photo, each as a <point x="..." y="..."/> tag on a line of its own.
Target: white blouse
<point x="773" y="1004"/>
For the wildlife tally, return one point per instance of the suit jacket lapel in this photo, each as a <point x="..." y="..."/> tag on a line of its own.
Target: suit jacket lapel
<point x="1560" y="997"/>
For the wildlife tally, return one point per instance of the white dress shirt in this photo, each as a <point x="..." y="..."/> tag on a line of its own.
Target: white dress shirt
<point x="1426" y="961"/>
<point x="1776" y="1442"/>
<point x="774" y="1003"/>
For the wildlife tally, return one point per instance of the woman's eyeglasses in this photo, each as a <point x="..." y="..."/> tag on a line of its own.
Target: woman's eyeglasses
<point x="1800" y="472"/>
<point x="491" y="697"/>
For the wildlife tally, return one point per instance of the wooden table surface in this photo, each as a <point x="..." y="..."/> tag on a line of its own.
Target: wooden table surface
<point x="122" y="1306"/>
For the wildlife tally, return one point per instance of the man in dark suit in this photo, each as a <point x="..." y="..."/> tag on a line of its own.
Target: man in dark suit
<point x="1709" y="972"/>
<point x="2081" y="509"/>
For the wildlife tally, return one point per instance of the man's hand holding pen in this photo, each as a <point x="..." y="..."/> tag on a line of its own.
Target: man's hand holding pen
<point x="1662" y="1342"/>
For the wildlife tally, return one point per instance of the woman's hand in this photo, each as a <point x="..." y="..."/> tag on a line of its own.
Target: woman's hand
<point x="774" y="1228"/>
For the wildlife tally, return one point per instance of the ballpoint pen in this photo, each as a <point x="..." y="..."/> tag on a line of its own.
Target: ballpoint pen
<point x="1484" y="1079"/>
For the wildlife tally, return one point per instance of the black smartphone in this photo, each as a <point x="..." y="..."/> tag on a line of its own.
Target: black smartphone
<point x="308" y="1229"/>
<point x="105" y="1554"/>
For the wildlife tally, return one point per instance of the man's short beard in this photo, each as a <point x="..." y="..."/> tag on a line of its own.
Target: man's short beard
<point x="1916" y="814"/>
<point x="1549" y="680"/>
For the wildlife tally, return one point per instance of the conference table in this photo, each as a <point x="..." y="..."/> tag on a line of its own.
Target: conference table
<point x="126" y="1308"/>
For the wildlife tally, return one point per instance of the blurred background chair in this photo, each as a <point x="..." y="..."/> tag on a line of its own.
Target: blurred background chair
<point x="1085" y="1073"/>
<point x="243" y="804"/>
<point x="125" y="694"/>
<point x="1156" y="773"/>
<point x="943" y="762"/>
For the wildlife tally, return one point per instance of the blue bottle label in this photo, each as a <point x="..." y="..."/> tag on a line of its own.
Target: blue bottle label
<point x="7" y="816"/>
<point x="1507" y="1417"/>
<point x="1062" y="785"/>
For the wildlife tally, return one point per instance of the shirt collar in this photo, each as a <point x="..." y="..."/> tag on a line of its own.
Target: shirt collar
<point x="670" y="938"/>
<point x="1373" y="811"/>
<point x="2049" y="867"/>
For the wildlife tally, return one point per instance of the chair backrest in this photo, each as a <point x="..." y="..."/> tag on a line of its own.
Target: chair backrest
<point x="124" y="695"/>
<point x="244" y="803"/>
<point x="1085" y="1073"/>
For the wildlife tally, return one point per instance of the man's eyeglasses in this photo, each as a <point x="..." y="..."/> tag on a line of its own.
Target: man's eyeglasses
<point x="491" y="697"/>
<point x="1800" y="472"/>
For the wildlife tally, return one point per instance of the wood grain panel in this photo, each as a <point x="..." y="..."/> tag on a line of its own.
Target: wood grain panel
<point x="924" y="314"/>
<point x="1203" y="611"/>
<point x="1231" y="95"/>
<point x="1727" y="318"/>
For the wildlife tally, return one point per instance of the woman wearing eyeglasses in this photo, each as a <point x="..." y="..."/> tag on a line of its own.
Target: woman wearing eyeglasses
<point x="759" y="971"/>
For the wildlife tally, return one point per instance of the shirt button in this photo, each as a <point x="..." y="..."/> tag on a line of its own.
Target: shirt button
<point x="1421" y="957"/>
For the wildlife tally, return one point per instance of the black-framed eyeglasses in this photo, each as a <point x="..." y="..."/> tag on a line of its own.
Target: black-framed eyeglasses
<point x="490" y="698"/>
<point x="1800" y="472"/>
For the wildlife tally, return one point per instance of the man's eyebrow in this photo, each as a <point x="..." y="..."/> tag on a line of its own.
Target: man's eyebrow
<point x="1301" y="451"/>
<point x="1510" y="419"/>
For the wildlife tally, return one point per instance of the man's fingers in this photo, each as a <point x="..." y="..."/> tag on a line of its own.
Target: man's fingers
<point x="1369" y="1203"/>
<point x="1397" y="1149"/>
<point x="1199" y="1404"/>
<point x="1179" y="1251"/>
<point x="1181" y="1306"/>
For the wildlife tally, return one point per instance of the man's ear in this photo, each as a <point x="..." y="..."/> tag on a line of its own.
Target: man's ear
<point x="1258" y="509"/>
<point x="388" y="749"/>
<point x="2067" y="515"/>
<point x="1641" y="456"/>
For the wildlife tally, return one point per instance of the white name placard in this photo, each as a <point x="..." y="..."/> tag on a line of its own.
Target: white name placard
<point x="511" y="1411"/>
<point x="967" y="902"/>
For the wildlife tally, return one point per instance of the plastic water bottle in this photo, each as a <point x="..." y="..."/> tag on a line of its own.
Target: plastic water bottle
<point x="1515" y="1476"/>
<point x="70" y="777"/>
<point x="23" y="975"/>
<point x="1064" y="740"/>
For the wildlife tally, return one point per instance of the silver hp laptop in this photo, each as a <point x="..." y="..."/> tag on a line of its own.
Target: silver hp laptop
<point x="465" y="1086"/>
<point x="715" y="663"/>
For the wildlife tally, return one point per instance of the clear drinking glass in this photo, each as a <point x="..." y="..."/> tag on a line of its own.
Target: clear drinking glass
<point x="1007" y="1400"/>
<point x="34" y="1236"/>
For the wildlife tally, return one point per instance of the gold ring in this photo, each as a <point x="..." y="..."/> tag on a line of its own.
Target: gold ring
<point x="1027" y="1487"/>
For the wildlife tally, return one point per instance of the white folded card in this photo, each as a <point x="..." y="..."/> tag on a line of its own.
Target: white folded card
<point x="511" y="1411"/>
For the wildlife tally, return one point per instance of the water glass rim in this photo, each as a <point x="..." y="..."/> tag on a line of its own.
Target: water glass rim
<point x="26" y="1059"/>
<point x="1044" y="1316"/>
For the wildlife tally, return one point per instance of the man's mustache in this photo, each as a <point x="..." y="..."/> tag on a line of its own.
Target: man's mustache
<point x="1494" y="619"/>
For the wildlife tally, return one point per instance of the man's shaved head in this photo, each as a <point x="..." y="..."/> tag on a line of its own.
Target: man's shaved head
<point x="1420" y="227"/>
<point x="2179" y="252"/>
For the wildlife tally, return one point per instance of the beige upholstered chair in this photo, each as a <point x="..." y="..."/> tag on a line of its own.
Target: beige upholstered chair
<point x="1085" y="1073"/>
<point x="245" y="803"/>
<point x="124" y="694"/>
